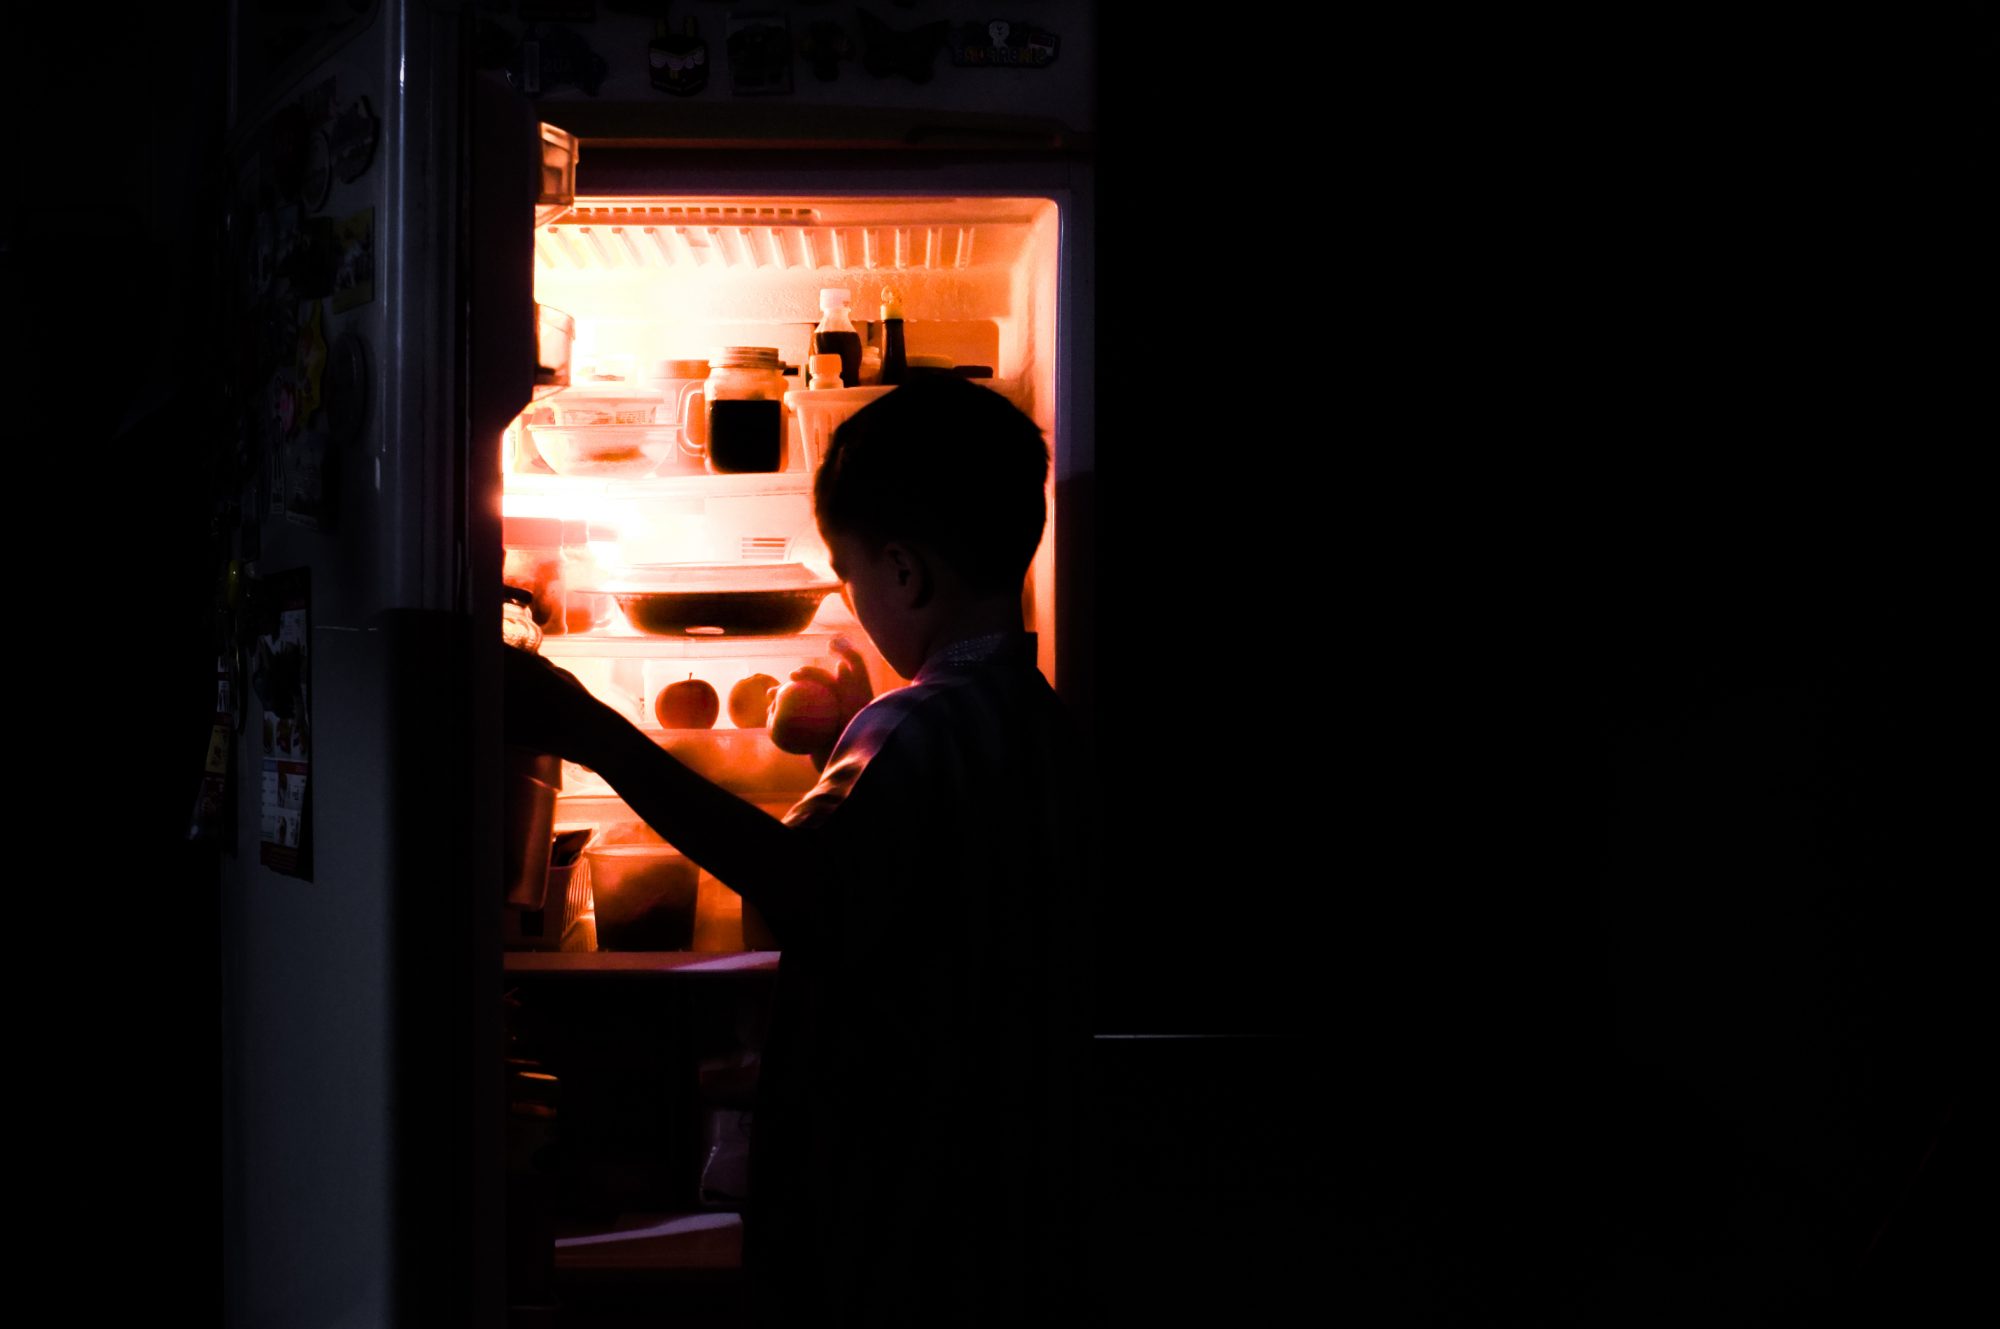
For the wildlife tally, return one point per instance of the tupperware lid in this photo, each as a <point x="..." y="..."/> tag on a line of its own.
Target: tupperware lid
<point x="680" y="369"/>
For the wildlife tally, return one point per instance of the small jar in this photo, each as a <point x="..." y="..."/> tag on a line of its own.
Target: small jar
<point x="743" y="411"/>
<point x="517" y="619"/>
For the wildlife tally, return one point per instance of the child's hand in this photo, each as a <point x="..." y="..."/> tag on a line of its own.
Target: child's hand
<point x="547" y="709"/>
<point x="848" y="682"/>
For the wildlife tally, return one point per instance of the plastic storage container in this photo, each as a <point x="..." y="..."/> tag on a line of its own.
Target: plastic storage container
<point x="820" y="412"/>
<point x="644" y="896"/>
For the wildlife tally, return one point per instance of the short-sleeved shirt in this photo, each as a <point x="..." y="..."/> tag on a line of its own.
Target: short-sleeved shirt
<point x="914" y="1140"/>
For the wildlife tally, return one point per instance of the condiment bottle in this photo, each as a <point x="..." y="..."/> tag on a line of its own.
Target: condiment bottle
<point x="825" y="372"/>
<point x="895" y="363"/>
<point x="836" y="335"/>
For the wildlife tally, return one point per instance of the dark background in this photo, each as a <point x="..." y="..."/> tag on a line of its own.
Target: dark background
<point x="1599" y="527"/>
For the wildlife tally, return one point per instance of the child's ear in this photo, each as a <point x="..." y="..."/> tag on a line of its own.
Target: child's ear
<point x="911" y="567"/>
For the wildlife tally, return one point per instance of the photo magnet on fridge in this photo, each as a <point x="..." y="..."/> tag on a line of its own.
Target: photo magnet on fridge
<point x="760" y="53"/>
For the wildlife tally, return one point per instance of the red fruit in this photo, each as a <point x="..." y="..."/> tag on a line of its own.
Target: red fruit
<point x="688" y="704"/>
<point x="750" y="701"/>
<point x="805" y="717"/>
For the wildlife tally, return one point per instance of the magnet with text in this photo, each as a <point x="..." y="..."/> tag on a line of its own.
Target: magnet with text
<point x="677" y="62"/>
<point x="1003" y="44"/>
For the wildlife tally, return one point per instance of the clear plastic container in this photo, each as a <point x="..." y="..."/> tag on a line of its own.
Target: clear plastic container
<point x="606" y="401"/>
<point x="820" y="413"/>
<point x="619" y="452"/>
<point x="644" y="896"/>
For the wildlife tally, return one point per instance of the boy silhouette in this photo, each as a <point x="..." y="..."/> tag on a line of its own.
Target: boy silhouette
<point x="913" y="1155"/>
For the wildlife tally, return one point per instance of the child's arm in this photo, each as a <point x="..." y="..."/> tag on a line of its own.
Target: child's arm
<point x="744" y="847"/>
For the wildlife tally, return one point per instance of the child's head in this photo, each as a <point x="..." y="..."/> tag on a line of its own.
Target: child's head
<point x="948" y="468"/>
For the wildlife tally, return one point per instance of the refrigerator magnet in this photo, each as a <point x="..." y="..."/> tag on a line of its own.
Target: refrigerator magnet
<point x="760" y="53"/>
<point x="887" y="51"/>
<point x="346" y="398"/>
<point x="311" y="480"/>
<point x="280" y="674"/>
<point x="318" y="179"/>
<point x="352" y="140"/>
<point x="677" y="62"/>
<point x="552" y="59"/>
<point x="354" y="276"/>
<point x="310" y="361"/>
<point x="1001" y="44"/>
<point x="824" y="46"/>
<point x="308" y="252"/>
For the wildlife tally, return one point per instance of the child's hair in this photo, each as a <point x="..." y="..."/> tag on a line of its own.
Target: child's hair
<point x="945" y="462"/>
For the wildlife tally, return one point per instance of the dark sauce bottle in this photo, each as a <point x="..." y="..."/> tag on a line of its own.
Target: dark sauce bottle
<point x="836" y="334"/>
<point x="895" y="361"/>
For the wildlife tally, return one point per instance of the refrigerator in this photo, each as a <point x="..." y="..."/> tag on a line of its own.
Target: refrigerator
<point x="407" y="193"/>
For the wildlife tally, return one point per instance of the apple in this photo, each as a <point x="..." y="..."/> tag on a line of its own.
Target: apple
<point x="688" y="704"/>
<point x="750" y="701"/>
<point x="805" y="717"/>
